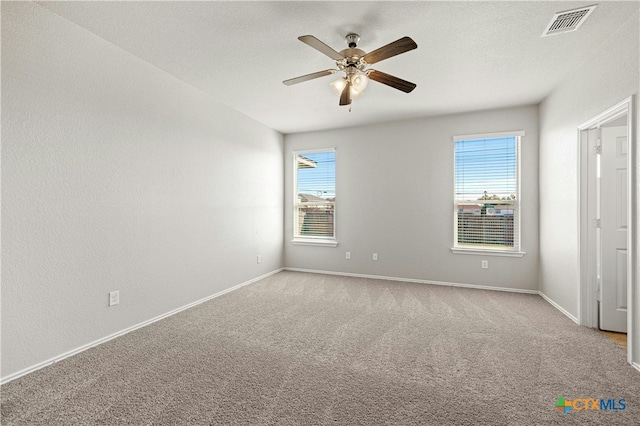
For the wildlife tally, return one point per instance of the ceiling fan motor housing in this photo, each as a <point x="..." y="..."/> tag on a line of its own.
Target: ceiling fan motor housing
<point x="351" y="57"/>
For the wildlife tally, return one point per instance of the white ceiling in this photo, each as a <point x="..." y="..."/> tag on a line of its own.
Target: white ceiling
<point x="470" y="56"/>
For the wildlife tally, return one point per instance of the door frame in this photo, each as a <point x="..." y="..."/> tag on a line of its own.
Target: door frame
<point x="587" y="300"/>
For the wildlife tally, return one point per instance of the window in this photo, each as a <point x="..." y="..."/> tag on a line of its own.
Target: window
<point x="315" y="197"/>
<point x="487" y="194"/>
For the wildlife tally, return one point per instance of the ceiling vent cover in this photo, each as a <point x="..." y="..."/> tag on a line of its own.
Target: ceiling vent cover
<point x="567" y="21"/>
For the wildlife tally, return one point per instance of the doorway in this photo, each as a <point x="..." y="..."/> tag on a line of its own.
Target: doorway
<point x="613" y="224"/>
<point x="606" y="225"/>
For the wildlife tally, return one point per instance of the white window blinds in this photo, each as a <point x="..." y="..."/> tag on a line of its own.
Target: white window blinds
<point x="486" y="201"/>
<point x="315" y="194"/>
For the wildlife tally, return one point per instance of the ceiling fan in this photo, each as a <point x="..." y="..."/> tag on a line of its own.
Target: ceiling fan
<point x="353" y="62"/>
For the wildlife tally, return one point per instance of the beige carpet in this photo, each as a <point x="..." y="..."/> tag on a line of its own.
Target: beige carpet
<point x="306" y="349"/>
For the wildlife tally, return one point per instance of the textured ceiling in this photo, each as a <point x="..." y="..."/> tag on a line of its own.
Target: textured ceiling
<point x="470" y="56"/>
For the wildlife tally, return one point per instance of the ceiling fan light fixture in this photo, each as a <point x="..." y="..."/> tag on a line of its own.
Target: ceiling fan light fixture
<point x="338" y="85"/>
<point x="359" y="82"/>
<point x="355" y="93"/>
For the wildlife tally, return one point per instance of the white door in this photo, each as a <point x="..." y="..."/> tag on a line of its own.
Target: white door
<point x="613" y="231"/>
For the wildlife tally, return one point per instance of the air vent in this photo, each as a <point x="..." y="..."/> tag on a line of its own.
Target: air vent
<point x="567" y="21"/>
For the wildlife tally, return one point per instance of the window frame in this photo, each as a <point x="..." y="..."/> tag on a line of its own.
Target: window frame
<point x="516" y="251"/>
<point x="312" y="240"/>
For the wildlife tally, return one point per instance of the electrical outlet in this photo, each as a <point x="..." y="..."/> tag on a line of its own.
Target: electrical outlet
<point x="375" y="256"/>
<point x="348" y="255"/>
<point x="259" y="259"/>
<point x="485" y="264"/>
<point x="114" y="298"/>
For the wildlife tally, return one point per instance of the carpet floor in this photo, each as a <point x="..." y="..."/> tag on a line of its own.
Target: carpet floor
<point x="311" y="349"/>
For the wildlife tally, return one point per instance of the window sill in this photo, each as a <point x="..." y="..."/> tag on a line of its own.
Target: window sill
<point x="486" y="252"/>
<point x="313" y="242"/>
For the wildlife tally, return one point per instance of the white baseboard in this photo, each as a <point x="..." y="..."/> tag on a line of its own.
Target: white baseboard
<point x="635" y="365"/>
<point x="60" y="357"/>
<point x="558" y="307"/>
<point x="82" y="348"/>
<point x="413" y="280"/>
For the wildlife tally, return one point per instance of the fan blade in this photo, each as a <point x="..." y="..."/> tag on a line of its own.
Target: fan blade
<point x="389" y="80"/>
<point x="345" y="96"/>
<point x="321" y="47"/>
<point x="307" y="77"/>
<point x="402" y="45"/>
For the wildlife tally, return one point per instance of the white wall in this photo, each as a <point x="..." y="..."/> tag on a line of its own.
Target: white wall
<point x="117" y="176"/>
<point x="606" y="77"/>
<point x="394" y="196"/>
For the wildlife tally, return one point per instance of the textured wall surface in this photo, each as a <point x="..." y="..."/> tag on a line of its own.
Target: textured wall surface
<point x="394" y="196"/>
<point x="607" y="77"/>
<point x="117" y="176"/>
